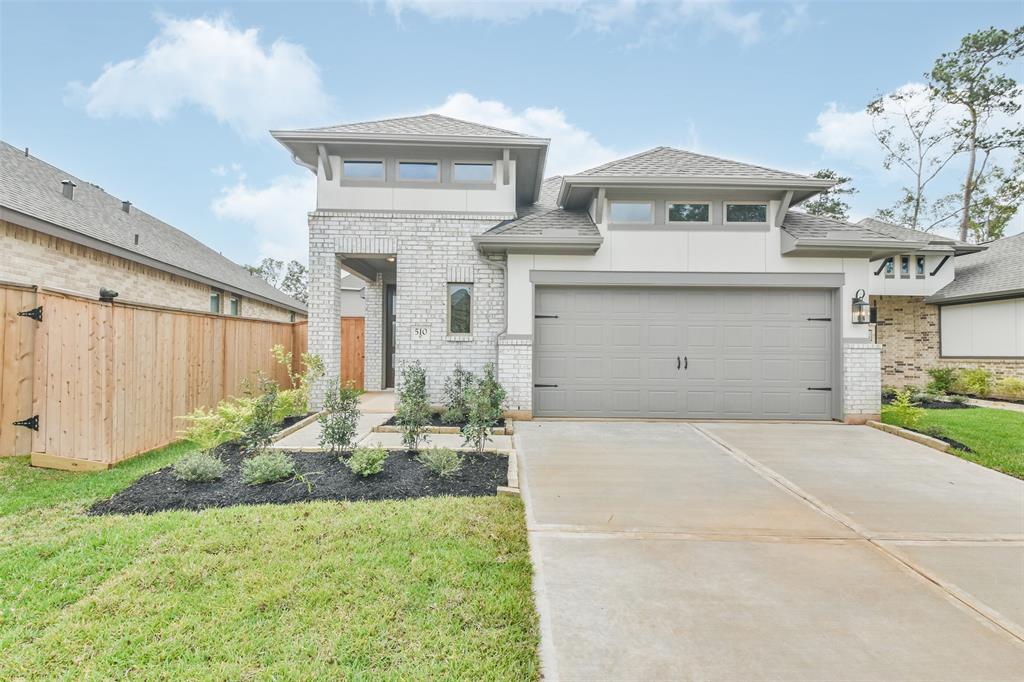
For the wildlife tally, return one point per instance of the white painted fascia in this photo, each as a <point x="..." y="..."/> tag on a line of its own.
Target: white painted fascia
<point x="538" y="244"/>
<point x="703" y="182"/>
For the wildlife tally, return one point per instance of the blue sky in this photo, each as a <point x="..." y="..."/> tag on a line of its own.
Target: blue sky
<point x="168" y="104"/>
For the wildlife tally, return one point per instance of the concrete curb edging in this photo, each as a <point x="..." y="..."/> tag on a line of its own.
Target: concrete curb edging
<point x="920" y="438"/>
<point x="386" y="428"/>
<point x="294" y="427"/>
<point x="512" y="488"/>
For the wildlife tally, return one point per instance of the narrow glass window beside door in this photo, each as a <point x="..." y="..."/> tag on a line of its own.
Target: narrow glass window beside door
<point x="419" y="171"/>
<point x="631" y="212"/>
<point x="363" y="170"/>
<point x="473" y="172"/>
<point x="689" y="213"/>
<point x="460" y="308"/>
<point x="746" y="213"/>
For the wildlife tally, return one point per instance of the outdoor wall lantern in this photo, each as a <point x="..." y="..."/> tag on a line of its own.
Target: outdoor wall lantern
<point x="861" y="310"/>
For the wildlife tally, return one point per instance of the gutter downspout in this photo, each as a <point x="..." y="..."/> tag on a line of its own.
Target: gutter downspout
<point x="296" y="160"/>
<point x="504" y="327"/>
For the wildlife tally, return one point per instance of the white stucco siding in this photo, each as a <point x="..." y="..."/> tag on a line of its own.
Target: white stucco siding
<point x="912" y="286"/>
<point x="987" y="329"/>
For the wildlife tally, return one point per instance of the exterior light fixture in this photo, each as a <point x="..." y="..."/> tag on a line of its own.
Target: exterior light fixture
<point x="390" y="259"/>
<point x="861" y="309"/>
<point x="107" y="295"/>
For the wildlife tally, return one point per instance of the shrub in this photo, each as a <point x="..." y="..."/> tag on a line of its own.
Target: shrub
<point x="209" y="428"/>
<point x="974" y="381"/>
<point x="268" y="467"/>
<point x="1010" y="387"/>
<point x="412" y="413"/>
<point x="455" y="409"/>
<point x="198" y="467"/>
<point x="485" y="401"/>
<point x="957" y="399"/>
<point x="313" y="370"/>
<point x="442" y="461"/>
<point x="289" y="403"/>
<point x="888" y="393"/>
<point x="943" y="379"/>
<point x="257" y="433"/>
<point x="904" y="411"/>
<point x="366" y="461"/>
<point x="340" y="418"/>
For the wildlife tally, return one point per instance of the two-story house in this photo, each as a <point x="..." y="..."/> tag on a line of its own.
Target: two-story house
<point x="667" y="284"/>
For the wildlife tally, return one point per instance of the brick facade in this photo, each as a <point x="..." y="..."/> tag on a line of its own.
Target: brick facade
<point x="908" y="332"/>
<point x="431" y="250"/>
<point x="30" y="257"/>
<point x="862" y="390"/>
<point x="515" y="372"/>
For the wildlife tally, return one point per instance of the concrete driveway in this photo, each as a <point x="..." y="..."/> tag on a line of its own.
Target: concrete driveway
<point x="726" y="551"/>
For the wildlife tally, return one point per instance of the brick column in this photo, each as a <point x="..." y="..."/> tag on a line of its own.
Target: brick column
<point x="515" y="372"/>
<point x="862" y="382"/>
<point x="373" y="337"/>
<point x="324" y="317"/>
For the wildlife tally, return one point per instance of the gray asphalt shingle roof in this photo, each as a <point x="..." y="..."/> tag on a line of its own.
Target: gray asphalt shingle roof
<point x="997" y="271"/>
<point x="806" y="226"/>
<point x="670" y="162"/>
<point x="937" y="242"/>
<point x="33" y="187"/>
<point x="546" y="216"/>
<point x="427" y="124"/>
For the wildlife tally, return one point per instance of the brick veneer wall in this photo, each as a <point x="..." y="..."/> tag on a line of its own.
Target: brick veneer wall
<point x="862" y="386"/>
<point x="908" y="332"/>
<point x="30" y="257"/>
<point x="515" y="372"/>
<point x="431" y="249"/>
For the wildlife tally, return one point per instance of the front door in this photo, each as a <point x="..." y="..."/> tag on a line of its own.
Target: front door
<point x="389" y="336"/>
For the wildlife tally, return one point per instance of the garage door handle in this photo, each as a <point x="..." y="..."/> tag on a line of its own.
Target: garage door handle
<point x="545" y="385"/>
<point x="545" y="317"/>
<point x="686" y="362"/>
<point x="679" y="363"/>
<point x="826" y="388"/>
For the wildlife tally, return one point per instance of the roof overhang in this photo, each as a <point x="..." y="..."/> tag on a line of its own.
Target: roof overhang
<point x="975" y="298"/>
<point x="573" y="184"/>
<point x="303" y="146"/>
<point x="54" y="230"/>
<point x="573" y="245"/>
<point x="827" y="247"/>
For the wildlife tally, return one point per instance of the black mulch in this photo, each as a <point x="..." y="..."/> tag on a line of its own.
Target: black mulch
<point x="935" y="404"/>
<point x="435" y="420"/>
<point x="949" y="441"/>
<point x="403" y="477"/>
<point x="290" y="421"/>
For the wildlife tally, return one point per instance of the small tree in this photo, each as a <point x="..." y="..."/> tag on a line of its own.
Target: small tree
<point x="485" y="401"/>
<point x="830" y="203"/>
<point x="340" y="418"/>
<point x="455" y="408"/>
<point x="412" y="413"/>
<point x="259" y="429"/>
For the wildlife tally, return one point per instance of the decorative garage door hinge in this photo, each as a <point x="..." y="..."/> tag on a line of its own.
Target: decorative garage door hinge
<point x="819" y="319"/>
<point x="826" y="388"/>
<point x="545" y="385"/>
<point x="30" y="423"/>
<point x="545" y="317"/>
<point x="35" y="313"/>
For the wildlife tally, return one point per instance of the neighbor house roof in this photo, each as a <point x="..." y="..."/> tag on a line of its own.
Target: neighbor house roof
<point x="31" y="194"/>
<point x="427" y="124"/>
<point x="669" y="162"/>
<point x="935" y="242"/>
<point x="996" y="272"/>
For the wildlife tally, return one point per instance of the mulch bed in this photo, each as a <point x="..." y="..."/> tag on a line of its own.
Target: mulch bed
<point x="954" y="443"/>
<point x="291" y="421"/>
<point x="435" y="420"/>
<point x="935" y="404"/>
<point x="403" y="478"/>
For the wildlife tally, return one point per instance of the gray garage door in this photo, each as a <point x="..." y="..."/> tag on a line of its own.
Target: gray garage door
<point x="683" y="353"/>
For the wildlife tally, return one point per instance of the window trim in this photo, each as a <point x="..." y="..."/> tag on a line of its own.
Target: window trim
<point x="448" y="306"/>
<point x="905" y="259"/>
<point x="890" y="268"/>
<point x="767" y="212"/>
<point x="459" y="162"/>
<point x="612" y="202"/>
<point x="920" y="267"/>
<point x="351" y="178"/>
<point x="234" y="306"/>
<point x="398" y="171"/>
<point x="219" y="296"/>
<point x="709" y="204"/>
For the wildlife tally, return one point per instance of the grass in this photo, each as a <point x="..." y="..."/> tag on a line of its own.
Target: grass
<point x="996" y="436"/>
<point x="435" y="588"/>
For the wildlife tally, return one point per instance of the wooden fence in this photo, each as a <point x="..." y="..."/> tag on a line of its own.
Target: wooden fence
<point x="108" y="380"/>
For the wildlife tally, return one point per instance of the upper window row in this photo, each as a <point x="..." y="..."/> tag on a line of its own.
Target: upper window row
<point x="419" y="171"/>
<point x="687" y="212"/>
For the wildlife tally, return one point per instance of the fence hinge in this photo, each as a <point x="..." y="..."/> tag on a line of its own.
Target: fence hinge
<point x="30" y="423"/>
<point x="35" y="313"/>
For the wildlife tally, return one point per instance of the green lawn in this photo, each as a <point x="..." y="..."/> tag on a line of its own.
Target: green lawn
<point x="996" y="436"/>
<point x="421" y="589"/>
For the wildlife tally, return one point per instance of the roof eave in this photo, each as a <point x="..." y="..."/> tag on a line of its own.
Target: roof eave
<point x="826" y="247"/>
<point x="393" y="138"/>
<point x="937" y="299"/>
<point x="810" y="185"/>
<point x="538" y="244"/>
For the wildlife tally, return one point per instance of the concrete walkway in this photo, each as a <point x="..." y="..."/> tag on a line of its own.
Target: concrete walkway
<point x="769" y="551"/>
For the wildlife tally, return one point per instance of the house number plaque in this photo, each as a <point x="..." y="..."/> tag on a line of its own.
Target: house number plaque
<point x="421" y="333"/>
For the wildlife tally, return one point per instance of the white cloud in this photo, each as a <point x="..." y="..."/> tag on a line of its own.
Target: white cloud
<point x="276" y="213"/>
<point x="572" y="148"/>
<point x="651" y="16"/>
<point x="210" y="64"/>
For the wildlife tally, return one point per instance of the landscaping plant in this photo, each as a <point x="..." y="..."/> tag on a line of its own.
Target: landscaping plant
<point x="201" y="466"/>
<point x="267" y="467"/>
<point x="412" y="413"/>
<point x="485" y="401"/>
<point x="1011" y="388"/>
<point x="455" y="408"/>
<point x="904" y="411"/>
<point x="340" y="417"/>
<point x="943" y="380"/>
<point x="258" y="432"/>
<point x="442" y="461"/>
<point x="974" y="381"/>
<point x="366" y="461"/>
<point x="296" y="398"/>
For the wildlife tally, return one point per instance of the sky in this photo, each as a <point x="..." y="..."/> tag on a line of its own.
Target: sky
<point x="168" y="104"/>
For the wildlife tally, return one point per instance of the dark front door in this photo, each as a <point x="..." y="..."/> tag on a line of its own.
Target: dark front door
<point x="389" y="336"/>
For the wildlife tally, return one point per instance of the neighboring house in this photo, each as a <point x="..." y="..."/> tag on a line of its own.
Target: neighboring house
<point x="353" y="297"/>
<point x="666" y="284"/>
<point x="964" y="308"/>
<point x="61" y="232"/>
